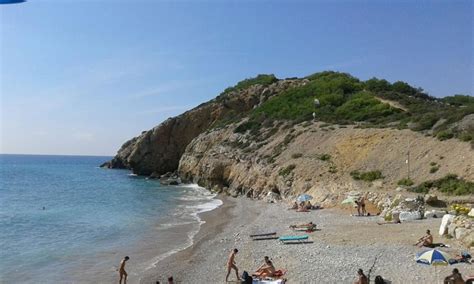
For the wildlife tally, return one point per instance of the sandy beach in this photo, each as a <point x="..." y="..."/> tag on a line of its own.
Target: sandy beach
<point x="341" y="246"/>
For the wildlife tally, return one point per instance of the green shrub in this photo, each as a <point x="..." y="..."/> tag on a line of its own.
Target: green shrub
<point x="286" y="171"/>
<point x="445" y="135"/>
<point x="466" y="136"/>
<point x="405" y="182"/>
<point x="363" y="106"/>
<point x="296" y="155"/>
<point x="366" y="176"/>
<point x="433" y="164"/>
<point x="332" y="169"/>
<point x="434" y="169"/>
<point x="450" y="184"/>
<point x="261" y="79"/>
<point x="324" y="157"/>
<point x="248" y="125"/>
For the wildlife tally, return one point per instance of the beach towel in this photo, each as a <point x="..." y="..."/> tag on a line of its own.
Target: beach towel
<point x="278" y="281"/>
<point x="262" y="234"/>
<point x="293" y="238"/>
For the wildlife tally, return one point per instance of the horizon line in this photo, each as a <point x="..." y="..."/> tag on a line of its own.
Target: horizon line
<point x="71" y="155"/>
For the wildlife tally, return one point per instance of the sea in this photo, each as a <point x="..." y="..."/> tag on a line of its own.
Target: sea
<point x="63" y="219"/>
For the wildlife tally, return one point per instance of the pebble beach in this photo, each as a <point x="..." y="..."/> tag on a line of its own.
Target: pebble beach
<point x="341" y="245"/>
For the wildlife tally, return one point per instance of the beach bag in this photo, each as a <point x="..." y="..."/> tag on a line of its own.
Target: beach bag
<point x="246" y="278"/>
<point x="379" y="280"/>
<point x="466" y="255"/>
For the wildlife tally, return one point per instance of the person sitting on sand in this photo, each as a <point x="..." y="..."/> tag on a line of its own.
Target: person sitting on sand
<point x="302" y="208"/>
<point x="455" y="278"/>
<point x="294" y="206"/>
<point x="231" y="265"/>
<point x="122" y="272"/>
<point x="170" y="280"/>
<point x="362" y="279"/>
<point x="426" y="240"/>
<point x="308" y="226"/>
<point x="308" y="205"/>
<point x="266" y="269"/>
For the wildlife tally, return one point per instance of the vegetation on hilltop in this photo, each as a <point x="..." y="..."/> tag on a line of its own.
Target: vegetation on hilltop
<point x="344" y="99"/>
<point x="261" y="79"/>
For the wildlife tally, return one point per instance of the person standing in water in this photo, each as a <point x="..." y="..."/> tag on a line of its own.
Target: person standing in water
<point x="122" y="272"/>
<point x="231" y="265"/>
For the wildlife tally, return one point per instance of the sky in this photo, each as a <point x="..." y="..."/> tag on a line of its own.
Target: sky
<point x="81" y="77"/>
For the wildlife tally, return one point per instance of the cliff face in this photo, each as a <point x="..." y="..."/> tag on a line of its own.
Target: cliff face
<point x="316" y="159"/>
<point x="158" y="150"/>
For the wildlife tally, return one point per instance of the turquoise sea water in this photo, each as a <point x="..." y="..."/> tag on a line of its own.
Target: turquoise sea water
<point x="92" y="217"/>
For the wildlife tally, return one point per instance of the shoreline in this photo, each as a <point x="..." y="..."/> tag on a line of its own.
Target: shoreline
<point x="214" y="222"/>
<point x="341" y="246"/>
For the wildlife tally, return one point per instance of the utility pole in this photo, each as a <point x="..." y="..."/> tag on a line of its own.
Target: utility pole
<point x="408" y="159"/>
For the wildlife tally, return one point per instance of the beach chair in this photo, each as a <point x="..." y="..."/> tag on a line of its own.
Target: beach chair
<point x="295" y="239"/>
<point x="264" y="236"/>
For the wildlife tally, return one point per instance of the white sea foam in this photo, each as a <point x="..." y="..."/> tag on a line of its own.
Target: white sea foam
<point x="208" y="203"/>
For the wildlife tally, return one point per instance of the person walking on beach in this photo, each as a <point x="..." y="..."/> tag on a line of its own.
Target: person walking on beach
<point x="362" y="278"/>
<point x="122" y="272"/>
<point x="231" y="265"/>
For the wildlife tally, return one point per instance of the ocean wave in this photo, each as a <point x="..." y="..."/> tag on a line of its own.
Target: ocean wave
<point x="193" y="211"/>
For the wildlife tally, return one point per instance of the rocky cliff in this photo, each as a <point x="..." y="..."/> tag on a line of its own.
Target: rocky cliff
<point x="158" y="150"/>
<point x="317" y="159"/>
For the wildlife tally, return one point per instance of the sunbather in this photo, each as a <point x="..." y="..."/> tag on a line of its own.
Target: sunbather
<point x="266" y="269"/>
<point x="308" y="226"/>
<point x="426" y="240"/>
<point x="302" y="208"/>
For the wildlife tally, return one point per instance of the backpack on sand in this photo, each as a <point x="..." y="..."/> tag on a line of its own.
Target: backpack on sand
<point x="379" y="280"/>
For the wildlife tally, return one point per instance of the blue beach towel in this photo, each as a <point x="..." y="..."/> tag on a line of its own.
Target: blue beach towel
<point x="293" y="238"/>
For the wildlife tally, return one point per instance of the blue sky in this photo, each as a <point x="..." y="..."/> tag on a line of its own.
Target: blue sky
<point x="82" y="77"/>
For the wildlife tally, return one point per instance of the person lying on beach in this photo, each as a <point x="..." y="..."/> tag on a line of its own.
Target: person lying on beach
<point x="389" y="222"/>
<point x="426" y="240"/>
<point x="455" y="278"/>
<point x="122" y="272"/>
<point x="170" y="280"/>
<point x="266" y="269"/>
<point x="308" y="226"/>
<point x="294" y="206"/>
<point x="231" y="265"/>
<point x="362" y="279"/>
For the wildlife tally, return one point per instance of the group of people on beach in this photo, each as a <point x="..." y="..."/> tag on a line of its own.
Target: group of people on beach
<point x="303" y="206"/>
<point x="267" y="269"/>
